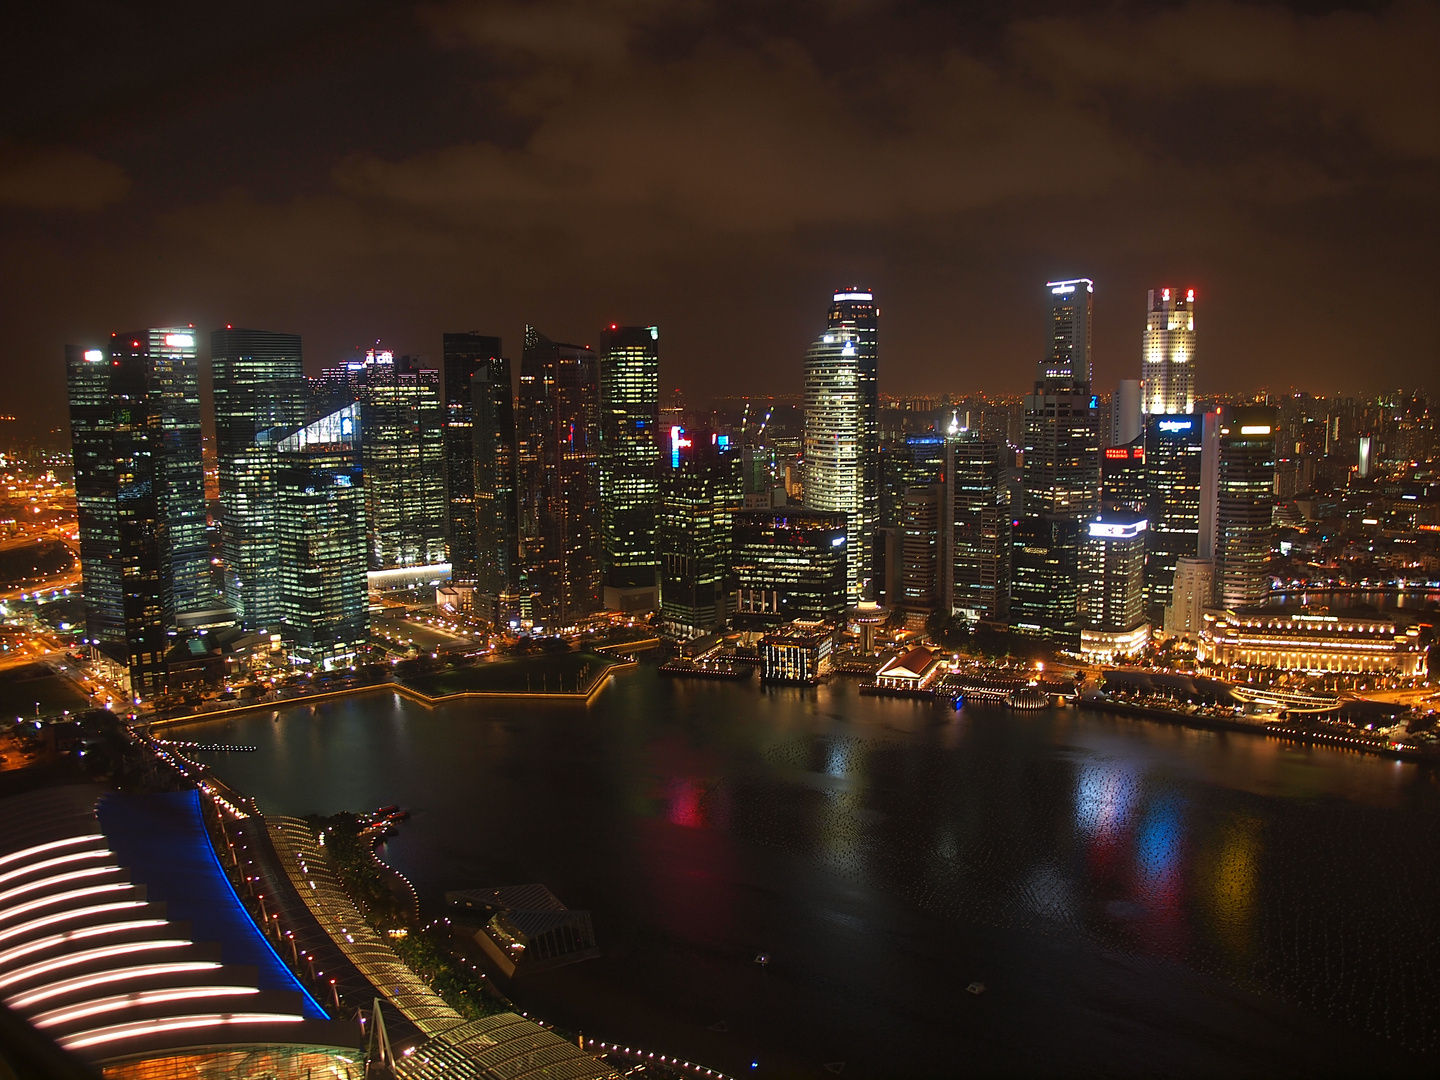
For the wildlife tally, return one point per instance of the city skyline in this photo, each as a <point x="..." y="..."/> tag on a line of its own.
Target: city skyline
<point x="259" y="196"/>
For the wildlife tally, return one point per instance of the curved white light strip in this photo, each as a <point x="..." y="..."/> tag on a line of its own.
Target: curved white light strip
<point x="57" y="879"/>
<point x="84" y="982"/>
<point x="65" y="916"/>
<point x="180" y="1023"/>
<point x="87" y="955"/>
<point x="21" y="951"/>
<point x="5" y="860"/>
<point x="56" y="1017"/>
<point x="59" y="860"/>
<point x="73" y="894"/>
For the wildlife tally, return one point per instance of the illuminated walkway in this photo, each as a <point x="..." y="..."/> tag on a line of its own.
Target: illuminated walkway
<point x="503" y="1047"/>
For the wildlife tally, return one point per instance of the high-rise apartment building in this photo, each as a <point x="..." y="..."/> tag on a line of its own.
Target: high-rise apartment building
<point x="630" y="464"/>
<point x="1244" y="502"/>
<point x="479" y="441"/>
<point x="259" y="385"/>
<point x="403" y="447"/>
<point x="557" y="421"/>
<point x="1060" y="474"/>
<point x="842" y="426"/>
<point x="700" y="488"/>
<point x="1168" y="366"/>
<point x="320" y="502"/>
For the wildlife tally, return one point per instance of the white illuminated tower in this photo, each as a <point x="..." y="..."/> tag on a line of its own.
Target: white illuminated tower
<point x="842" y="427"/>
<point x="1168" y="367"/>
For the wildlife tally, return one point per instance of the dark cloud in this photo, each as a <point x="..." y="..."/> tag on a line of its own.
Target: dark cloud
<point x="716" y="166"/>
<point x="59" y="178"/>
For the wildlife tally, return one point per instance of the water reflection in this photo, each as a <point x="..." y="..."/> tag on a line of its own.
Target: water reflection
<point x="880" y="851"/>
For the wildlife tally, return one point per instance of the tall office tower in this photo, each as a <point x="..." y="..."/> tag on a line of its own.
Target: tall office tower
<point x="1123" y="477"/>
<point x="842" y="426"/>
<point x="1244" y="503"/>
<point x="630" y="464"/>
<point x="915" y="460"/>
<point x="1112" y="586"/>
<point x="1168" y="367"/>
<point x="115" y="436"/>
<point x="1060" y="476"/>
<point x="1173" y="455"/>
<point x="320" y="505"/>
<point x="789" y="563"/>
<point x="700" y="484"/>
<point x="924" y="529"/>
<point x="479" y="440"/>
<point x="557" y="423"/>
<point x="404" y="460"/>
<point x="1067" y="359"/>
<point x="493" y="450"/>
<point x="1126" y="421"/>
<point x="172" y="367"/>
<point x="259" y="385"/>
<point x="978" y="478"/>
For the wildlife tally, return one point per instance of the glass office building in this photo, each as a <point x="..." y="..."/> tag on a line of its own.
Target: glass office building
<point x="557" y="422"/>
<point x="1060" y="474"/>
<point x="479" y="442"/>
<point x="404" y="462"/>
<point x="700" y="488"/>
<point x="1173" y="451"/>
<point x="259" y="384"/>
<point x="1244" y="505"/>
<point x="320" y="503"/>
<point x="140" y="495"/>
<point x="789" y="563"/>
<point x="842" y="427"/>
<point x="629" y="366"/>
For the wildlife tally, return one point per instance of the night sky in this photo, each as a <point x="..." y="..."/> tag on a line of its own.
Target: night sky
<point x="353" y="170"/>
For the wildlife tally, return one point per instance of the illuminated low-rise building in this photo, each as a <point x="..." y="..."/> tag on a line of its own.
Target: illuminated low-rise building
<point x="913" y="670"/>
<point x="798" y="652"/>
<point x="1312" y="640"/>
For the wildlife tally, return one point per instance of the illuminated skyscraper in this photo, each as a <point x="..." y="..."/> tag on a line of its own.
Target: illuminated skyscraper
<point x="1060" y="476"/>
<point x="557" y="422"/>
<point x="1168" y="367"/>
<point x="115" y="435"/>
<point x="404" y="461"/>
<point x="699" y="488"/>
<point x="1173" y="456"/>
<point x="978" y="482"/>
<point x="1112" y="586"/>
<point x="842" y="427"/>
<point x="630" y="464"/>
<point x="320" y="502"/>
<point x="479" y="441"/>
<point x="259" y="385"/>
<point x="1244" y="501"/>
<point x="788" y="563"/>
